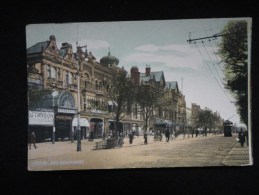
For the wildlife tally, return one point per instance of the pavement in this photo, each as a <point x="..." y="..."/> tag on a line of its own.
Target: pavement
<point x="66" y="152"/>
<point x="47" y="149"/>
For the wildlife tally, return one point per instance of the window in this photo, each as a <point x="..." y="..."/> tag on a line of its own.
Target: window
<point x="49" y="71"/>
<point x="96" y="85"/>
<point x="67" y="77"/>
<point x="53" y="73"/>
<point x="85" y="103"/>
<point x="70" y="78"/>
<point x="100" y="85"/>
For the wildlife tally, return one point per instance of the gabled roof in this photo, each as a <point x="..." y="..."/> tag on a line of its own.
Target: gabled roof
<point x="172" y="85"/>
<point x="157" y="76"/>
<point x="38" y="47"/>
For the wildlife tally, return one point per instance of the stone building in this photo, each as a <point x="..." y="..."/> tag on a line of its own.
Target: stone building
<point x="53" y="69"/>
<point x="171" y="107"/>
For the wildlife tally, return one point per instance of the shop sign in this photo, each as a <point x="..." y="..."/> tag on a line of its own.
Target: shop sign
<point x="41" y="118"/>
<point x="67" y="111"/>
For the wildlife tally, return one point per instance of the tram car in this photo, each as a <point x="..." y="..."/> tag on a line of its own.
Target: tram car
<point x="227" y="128"/>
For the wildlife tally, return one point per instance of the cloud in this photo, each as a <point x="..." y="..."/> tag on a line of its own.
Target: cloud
<point x="170" y="55"/>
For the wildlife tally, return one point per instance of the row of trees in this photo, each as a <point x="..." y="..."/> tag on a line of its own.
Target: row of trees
<point x="233" y="51"/>
<point x="124" y="95"/>
<point x="208" y="119"/>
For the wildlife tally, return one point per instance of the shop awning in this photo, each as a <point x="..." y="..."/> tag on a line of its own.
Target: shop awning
<point x="83" y="122"/>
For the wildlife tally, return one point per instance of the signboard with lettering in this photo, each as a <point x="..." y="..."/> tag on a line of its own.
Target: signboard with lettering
<point x="41" y="118"/>
<point x="66" y="111"/>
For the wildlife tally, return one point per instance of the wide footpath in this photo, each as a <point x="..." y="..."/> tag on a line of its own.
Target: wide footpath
<point x="183" y="151"/>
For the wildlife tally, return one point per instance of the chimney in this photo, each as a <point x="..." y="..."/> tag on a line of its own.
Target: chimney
<point x="135" y="75"/>
<point x="147" y="70"/>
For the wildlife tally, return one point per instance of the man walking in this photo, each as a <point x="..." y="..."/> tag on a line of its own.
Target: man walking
<point x="32" y="140"/>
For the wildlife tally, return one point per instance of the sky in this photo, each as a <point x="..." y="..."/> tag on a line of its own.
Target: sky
<point x="161" y="44"/>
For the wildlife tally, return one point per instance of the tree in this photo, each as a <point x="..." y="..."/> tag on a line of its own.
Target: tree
<point x="233" y="51"/>
<point x="147" y="98"/>
<point x="121" y="95"/>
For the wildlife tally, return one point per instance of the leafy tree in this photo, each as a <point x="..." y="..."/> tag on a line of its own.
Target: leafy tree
<point x="233" y="50"/>
<point x="147" y="98"/>
<point x="121" y="95"/>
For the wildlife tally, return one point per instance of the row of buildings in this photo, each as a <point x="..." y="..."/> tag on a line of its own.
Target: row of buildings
<point x="58" y="73"/>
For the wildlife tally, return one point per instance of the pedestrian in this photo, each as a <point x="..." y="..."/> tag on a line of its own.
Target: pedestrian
<point x="241" y="137"/>
<point x="197" y="132"/>
<point x="145" y="137"/>
<point x="131" y="136"/>
<point x="32" y="140"/>
<point x="167" y="133"/>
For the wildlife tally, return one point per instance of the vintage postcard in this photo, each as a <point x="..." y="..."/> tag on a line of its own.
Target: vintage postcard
<point x="139" y="94"/>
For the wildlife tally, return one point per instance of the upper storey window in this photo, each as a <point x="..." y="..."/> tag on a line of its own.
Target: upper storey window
<point x="53" y="72"/>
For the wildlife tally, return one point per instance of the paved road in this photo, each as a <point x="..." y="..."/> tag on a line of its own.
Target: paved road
<point x="213" y="150"/>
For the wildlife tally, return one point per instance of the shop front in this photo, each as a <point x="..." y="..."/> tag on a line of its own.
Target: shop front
<point x="41" y="122"/>
<point x="65" y="111"/>
<point x="84" y="124"/>
<point x="53" y="117"/>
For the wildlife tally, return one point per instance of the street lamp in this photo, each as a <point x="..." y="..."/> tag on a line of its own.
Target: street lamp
<point x="78" y="128"/>
<point x="54" y="94"/>
<point x="78" y="99"/>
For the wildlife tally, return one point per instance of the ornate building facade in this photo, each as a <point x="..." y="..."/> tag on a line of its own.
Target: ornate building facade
<point x="55" y="69"/>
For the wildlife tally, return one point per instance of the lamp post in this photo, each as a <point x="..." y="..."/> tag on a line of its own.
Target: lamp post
<point x="54" y="94"/>
<point x="78" y="100"/>
<point x="78" y="128"/>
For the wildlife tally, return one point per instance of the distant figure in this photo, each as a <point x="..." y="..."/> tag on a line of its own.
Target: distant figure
<point x="241" y="136"/>
<point x="131" y="136"/>
<point x="32" y="140"/>
<point x="167" y="134"/>
<point x="145" y="137"/>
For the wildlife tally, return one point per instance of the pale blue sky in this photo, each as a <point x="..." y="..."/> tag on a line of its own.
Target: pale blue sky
<point x="162" y="44"/>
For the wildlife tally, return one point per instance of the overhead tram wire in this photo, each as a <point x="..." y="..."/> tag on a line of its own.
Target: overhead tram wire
<point x="216" y="57"/>
<point x="213" y="63"/>
<point x="208" y="37"/>
<point x="219" y="62"/>
<point x="212" y="73"/>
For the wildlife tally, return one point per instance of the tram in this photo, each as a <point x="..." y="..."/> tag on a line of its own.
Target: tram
<point x="227" y="128"/>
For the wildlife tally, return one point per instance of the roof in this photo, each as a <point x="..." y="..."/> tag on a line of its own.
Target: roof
<point x="109" y="59"/>
<point x="157" y="76"/>
<point x="38" y="47"/>
<point x="171" y="85"/>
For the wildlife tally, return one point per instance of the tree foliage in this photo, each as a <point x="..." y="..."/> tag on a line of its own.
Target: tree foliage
<point x="121" y="95"/>
<point x="147" y="99"/>
<point x="233" y="50"/>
